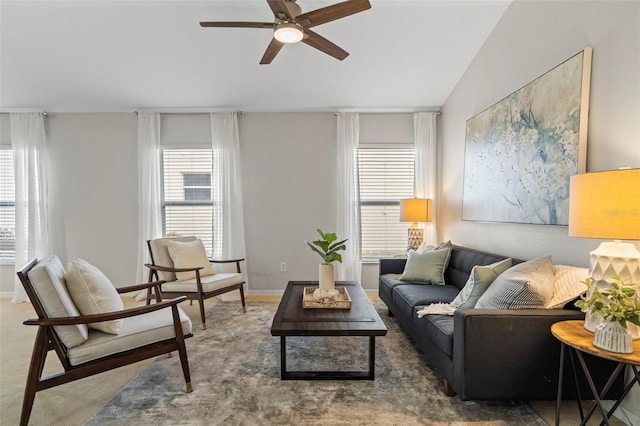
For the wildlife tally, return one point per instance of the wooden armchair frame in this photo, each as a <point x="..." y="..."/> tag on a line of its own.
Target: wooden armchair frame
<point x="200" y="295"/>
<point x="47" y="339"/>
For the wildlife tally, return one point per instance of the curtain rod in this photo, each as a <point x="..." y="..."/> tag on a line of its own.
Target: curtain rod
<point x="388" y="113"/>
<point x="188" y="113"/>
<point x="44" y="113"/>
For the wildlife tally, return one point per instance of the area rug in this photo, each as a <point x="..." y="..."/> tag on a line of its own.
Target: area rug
<point x="235" y="371"/>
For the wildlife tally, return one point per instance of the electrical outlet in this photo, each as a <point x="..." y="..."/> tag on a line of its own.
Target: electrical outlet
<point x="283" y="266"/>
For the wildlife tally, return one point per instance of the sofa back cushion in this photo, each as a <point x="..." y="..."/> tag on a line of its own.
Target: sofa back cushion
<point x="462" y="262"/>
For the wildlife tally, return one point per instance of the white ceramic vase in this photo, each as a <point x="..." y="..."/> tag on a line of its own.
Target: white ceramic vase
<point x="613" y="337"/>
<point x="592" y="320"/>
<point x="327" y="281"/>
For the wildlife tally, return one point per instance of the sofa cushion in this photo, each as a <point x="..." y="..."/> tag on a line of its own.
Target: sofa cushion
<point x="419" y="294"/>
<point x="136" y="331"/>
<point x="48" y="280"/>
<point x="93" y="293"/>
<point x="479" y="280"/>
<point x="387" y="282"/>
<point x="528" y="285"/>
<point x="439" y="328"/>
<point x="427" y="266"/>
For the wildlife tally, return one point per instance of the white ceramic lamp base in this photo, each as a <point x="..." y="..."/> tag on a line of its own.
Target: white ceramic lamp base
<point x="608" y="260"/>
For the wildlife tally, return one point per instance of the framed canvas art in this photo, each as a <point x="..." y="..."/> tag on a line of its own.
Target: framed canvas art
<point x="521" y="151"/>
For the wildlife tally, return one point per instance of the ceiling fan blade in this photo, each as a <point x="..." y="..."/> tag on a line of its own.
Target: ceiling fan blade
<point x="324" y="45"/>
<point x="271" y="52"/>
<point x="280" y="9"/>
<point x="238" y="24"/>
<point x="333" y="12"/>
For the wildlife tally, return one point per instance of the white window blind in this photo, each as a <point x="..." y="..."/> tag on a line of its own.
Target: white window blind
<point x="7" y="207"/>
<point x="386" y="176"/>
<point x="187" y="198"/>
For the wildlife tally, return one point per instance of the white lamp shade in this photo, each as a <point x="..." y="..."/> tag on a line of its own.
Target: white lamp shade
<point x="415" y="210"/>
<point x="605" y="205"/>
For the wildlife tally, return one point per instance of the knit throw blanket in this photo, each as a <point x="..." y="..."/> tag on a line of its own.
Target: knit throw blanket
<point x="437" y="309"/>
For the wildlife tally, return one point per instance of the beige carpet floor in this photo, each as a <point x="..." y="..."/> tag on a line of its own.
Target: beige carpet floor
<point x="74" y="403"/>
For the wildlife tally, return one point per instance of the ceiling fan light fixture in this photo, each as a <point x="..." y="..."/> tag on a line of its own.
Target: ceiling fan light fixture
<point x="288" y="32"/>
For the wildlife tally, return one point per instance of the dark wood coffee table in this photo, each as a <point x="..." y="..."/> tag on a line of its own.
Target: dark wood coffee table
<point x="292" y="319"/>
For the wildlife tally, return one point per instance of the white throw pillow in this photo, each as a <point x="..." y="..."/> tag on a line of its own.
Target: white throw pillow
<point x="527" y="285"/>
<point x="479" y="281"/>
<point x="567" y="284"/>
<point x="93" y="293"/>
<point x="189" y="254"/>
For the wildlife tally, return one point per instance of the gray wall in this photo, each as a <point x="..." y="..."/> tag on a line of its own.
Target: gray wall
<point x="289" y="169"/>
<point x="289" y="190"/>
<point x="531" y="38"/>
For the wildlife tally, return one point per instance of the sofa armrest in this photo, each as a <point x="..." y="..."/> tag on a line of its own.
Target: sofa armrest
<point x="496" y="351"/>
<point x="392" y="265"/>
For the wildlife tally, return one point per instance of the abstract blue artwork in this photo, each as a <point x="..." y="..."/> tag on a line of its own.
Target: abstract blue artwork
<point x="521" y="151"/>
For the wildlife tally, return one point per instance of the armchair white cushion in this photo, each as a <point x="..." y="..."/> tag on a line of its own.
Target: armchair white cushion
<point x="135" y="332"/>
<point x="189" y="254"/>
<point x="48" y="280"/>
<point x="93" y="293"/>
<point x="209" y="283"/>
<point x="161" y="257"/>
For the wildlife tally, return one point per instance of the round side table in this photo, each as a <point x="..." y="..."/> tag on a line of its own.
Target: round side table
<point x="576" y="338"/>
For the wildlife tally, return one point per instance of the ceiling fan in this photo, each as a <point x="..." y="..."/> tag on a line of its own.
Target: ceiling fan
<point x="292" y="26"/>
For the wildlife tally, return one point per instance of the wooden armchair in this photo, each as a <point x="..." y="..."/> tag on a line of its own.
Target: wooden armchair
<point x="146" y="332"/>
<point x="197" y="285"/>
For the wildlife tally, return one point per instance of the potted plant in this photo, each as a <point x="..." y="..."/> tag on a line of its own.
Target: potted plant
<point x="328" y="248"/>
<point x="619" y="306"/>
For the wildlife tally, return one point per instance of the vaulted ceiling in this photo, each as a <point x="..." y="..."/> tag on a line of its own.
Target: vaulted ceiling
<point x="122" y="55"/>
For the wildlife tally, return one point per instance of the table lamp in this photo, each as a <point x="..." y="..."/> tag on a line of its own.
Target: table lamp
<point x="606" y="205"/>
<point x="415" y="210"/>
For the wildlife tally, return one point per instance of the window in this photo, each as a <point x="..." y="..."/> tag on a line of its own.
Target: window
<point x="187" y="196"/>
<point x="197" y="186"/>
<point x="7" y="207"/>
<point x="385" y="176"/>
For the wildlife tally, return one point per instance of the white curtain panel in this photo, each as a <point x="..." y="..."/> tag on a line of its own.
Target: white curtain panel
<point x="424" y="132"/>
<point x="149" y="197"/>
<point x="227" y="185"/>
<point x="32" y="231"/>
<point x="348" y="206"/>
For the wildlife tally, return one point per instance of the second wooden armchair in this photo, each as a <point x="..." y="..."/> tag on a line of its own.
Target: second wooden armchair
<point x="182" y="263"/>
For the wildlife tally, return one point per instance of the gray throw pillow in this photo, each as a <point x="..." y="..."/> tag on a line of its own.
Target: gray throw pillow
<point x="479" y="281"/>
<point x="528" y="285"/>
<point x="426" y="267"/>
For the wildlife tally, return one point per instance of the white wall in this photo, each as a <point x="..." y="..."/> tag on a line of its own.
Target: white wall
<point x="531" y="38"/>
